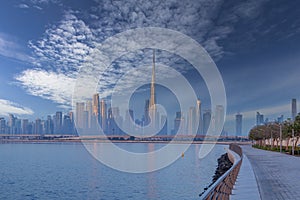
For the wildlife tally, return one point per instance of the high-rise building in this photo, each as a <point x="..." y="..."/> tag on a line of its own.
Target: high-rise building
<point x="152" y="104"/>
<point x="238" y="124"/>
<point x="191" y="126"/>
<point x="79" y="115"/>
<point x="206" y="121"/>
<point x="199" y="118"/>
<point x="146" y="119"/>
<point x="103" y="115"/>
<point x="129" y="121"/>
<point x="113" y="120"/>
<point x="25" y="123"/>
<point x="2" y="125"/>
<point x="219" y="118"/>
<point x="164" y="124"/>
<point x="18" y="126"/>
<point x="85" y="120"/>
<point x="58" y="122"/>
<point x="294" y="109"/>
<point x="89" y="109"/>
<point x="280" y="119"/>
<point x="49" y="126"/>
<point x="96" y="107"/>
<point x="38" y="128"/>
<point x="259" y="119"/>
<point x="11" y="124"/>
<point x="67" y="125"/>
<point x="179" y="124"/>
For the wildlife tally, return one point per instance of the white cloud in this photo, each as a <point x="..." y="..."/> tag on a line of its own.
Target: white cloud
<point x="63" y="47"/>
<point x="8" y="107"/>
<point x="23" y="6"/>
<point x="48" y="85"/>
<point x="66" y="46"/>
<point x="11" y="49"/>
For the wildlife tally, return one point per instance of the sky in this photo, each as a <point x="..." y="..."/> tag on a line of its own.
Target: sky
<point x="254" y="44"/>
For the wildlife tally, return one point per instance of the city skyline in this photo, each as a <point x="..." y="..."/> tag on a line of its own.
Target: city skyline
<point x="254" y="45"/>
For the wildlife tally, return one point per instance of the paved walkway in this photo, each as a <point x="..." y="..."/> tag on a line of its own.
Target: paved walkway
<point x="277" y="174"/>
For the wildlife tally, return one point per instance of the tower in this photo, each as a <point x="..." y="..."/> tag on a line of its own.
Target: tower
<point x="96" y="107"/>
<point x="238" y="124"/>
<point x="152" y="104"/>
<point x="103" y="113"/>
<point x="198" y="118"/>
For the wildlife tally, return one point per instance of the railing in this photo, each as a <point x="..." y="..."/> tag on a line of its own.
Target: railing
<point x="221" y="189"/>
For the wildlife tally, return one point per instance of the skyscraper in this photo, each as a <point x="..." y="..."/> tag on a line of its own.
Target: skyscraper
<point x="199" y="118"/>
<point x="179" y="124"/>
<point x="206" y="121"/>
<point x="152" y="104"/>
<point x="219" y="118"/>
<point x="146" y="119"/>
<point x="38" y="126"/>
<point x="79" y="115"/>
<point x="58" y="122"/>
<point x="294" y="109"/>
<point x="25" y="123"/>
<point x="129" y="121"/>
<point x="164" y="124"/>
<point x="103" y="115"/>
<point x="96" y="107"/>
<point x="191" y="126"/>
<point x="238" y="124"/>
<point x="2" y="125"/>
<point x="259" y="119"/>
<point x="89" y="109"/>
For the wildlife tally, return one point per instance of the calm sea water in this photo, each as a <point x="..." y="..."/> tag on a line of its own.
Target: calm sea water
<point x="68" y="171"/>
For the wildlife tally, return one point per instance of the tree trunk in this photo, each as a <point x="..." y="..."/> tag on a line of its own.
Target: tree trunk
<point x="295" y="142"/>
<point x="287" y="144"/>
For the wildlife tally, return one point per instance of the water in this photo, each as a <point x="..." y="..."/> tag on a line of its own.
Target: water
<point x="68" y="171"/>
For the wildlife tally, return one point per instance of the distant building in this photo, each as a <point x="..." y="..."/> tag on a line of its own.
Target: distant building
<point x="199" y="118"/>
<point x="206" y="121"/>
<point x="25" y="124"/>
<point x="89" y="109"/>
<point x="38" y="128"/>
<point x="280" y="119"/>
<point x="219" y="118"/>
<point x="58" y="122"/>
<point x="164" y="124"/>
<point x="103" y="115"/>
<point x="79" y="115"/>
<point x="294" y="109"/>
<point x="146" y="120"/>
<point x="179" y="124"/>
<point x="238" y="124"/>
<point x="191" y="126"/>
<point x="67" y="125"/>
<point x="259" y="119"/>
<point x="2" y="125"/>
<point x="96" y="107"/>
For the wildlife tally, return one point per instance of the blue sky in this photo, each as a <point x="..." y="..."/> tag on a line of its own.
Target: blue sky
<point x="255" y="45"/>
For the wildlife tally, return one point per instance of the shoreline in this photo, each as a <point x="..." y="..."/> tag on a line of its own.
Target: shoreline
<point x="11" y="141"/>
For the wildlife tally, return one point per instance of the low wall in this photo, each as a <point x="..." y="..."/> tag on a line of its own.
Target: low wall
<point x="221" y="189"/>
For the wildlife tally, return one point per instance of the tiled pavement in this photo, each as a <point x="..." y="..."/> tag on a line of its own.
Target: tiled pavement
<point x="277" y="175"/>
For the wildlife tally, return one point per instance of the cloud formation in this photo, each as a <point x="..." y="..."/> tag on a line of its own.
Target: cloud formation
<point x="10" y="48"/>
<point x="66" y="46"/>
<point x="8" y="107"/>
<point x="48" y="85"/>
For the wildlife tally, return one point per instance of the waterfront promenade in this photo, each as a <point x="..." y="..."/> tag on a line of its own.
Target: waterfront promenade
<point x="277" y="175"/>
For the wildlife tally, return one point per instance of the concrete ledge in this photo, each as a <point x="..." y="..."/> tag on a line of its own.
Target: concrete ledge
<point x="246" y="185"/>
